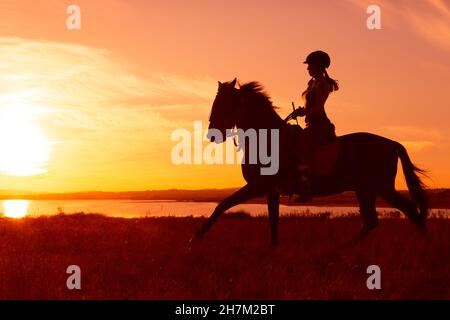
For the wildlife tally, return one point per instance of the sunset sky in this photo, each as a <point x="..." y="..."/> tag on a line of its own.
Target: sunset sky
<point x="94" y="109"/>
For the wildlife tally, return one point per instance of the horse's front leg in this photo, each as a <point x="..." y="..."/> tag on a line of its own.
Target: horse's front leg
<point x="273" y="203"/>
<point x="247" y="192"/>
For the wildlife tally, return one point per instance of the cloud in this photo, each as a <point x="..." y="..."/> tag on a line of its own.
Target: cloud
<point x="92" y="89"/>
<point x="440" y="6"/>
<point x="429" y="19"/>
<point x="432" y="24"/>
<point x="103" y="113"/>
<point x="413" y="138"/>
<point x="417" y="146"/>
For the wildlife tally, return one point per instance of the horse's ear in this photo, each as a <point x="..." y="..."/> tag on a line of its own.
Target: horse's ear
<point x="233" y="83"/>
<point x="220" y="83"/>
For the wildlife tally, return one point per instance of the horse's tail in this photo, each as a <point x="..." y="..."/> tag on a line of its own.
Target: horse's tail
<point x="416" y="186"/>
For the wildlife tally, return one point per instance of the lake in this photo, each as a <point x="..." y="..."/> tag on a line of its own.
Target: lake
<point x="156" y="208"/>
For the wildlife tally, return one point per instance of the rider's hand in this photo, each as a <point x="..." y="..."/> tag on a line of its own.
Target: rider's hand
<point x="300" y="112"/>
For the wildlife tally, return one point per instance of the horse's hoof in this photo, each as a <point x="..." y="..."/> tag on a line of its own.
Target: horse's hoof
<point x="364" y="232"/>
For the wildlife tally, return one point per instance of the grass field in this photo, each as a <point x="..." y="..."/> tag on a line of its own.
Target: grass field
<point x="149" y="258"/>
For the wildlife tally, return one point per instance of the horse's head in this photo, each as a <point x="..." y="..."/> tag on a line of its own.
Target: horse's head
<point x="224" y="110"/>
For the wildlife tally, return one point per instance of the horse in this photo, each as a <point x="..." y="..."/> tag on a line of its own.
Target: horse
<point x="365" y="164"/>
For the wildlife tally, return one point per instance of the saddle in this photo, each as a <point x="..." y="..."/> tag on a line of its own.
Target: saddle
<point x="324" y="158"/>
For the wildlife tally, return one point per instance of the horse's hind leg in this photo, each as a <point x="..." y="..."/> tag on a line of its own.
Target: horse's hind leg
<point x="366" y="200"/>
<point x="407" y="206"/>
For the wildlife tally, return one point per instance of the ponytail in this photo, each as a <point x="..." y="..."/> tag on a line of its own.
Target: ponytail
<point x="333" y="83"/>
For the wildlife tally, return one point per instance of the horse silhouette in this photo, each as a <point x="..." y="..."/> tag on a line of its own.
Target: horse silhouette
<point x="365" y="163"/>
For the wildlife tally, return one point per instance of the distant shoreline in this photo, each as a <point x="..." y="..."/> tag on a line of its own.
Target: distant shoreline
<point x="439" y="198"/>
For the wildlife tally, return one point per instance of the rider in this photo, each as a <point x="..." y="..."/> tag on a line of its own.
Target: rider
<point x="319" y="129"/>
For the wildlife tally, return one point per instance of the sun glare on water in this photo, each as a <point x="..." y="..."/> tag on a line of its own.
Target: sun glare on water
<point x="24" y="150"/>
<point x="15" y="208"/>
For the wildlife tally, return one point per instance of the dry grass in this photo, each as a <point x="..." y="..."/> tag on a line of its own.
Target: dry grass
<point x="150" y="258"/>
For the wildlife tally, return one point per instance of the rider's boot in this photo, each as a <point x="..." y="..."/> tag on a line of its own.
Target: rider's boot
<point x="303" y="188"/>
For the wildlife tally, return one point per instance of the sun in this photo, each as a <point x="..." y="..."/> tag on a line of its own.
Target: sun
<point x="24" y="149"/>
<point x="15" y="208"/>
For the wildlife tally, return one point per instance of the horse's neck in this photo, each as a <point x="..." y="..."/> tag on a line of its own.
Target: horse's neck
<point x="269" y="120"/>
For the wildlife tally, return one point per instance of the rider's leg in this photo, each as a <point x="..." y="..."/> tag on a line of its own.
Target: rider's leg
<point x="303" y="153"/>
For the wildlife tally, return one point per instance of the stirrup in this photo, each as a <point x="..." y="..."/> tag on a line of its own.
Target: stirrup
<point x="303" y="189"/>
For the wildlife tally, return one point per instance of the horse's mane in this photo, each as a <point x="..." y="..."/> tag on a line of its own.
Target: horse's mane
<point x="260" y="102"/>
<point x="255" y="91"/>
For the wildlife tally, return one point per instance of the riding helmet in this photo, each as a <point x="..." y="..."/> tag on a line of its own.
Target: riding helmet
<point x="318" y="57"/>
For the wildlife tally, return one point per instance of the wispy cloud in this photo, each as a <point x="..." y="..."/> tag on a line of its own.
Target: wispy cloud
<point x="81" y="82"/>
<point x="429" y="19"/>
<point x="97" y="106"/>
<point x="433" y="24"/>
<point x="90" y="88"/>
<point x="414" y="138"/>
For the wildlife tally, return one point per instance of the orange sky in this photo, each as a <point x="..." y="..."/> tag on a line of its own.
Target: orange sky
<point x="105" y="99"/>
